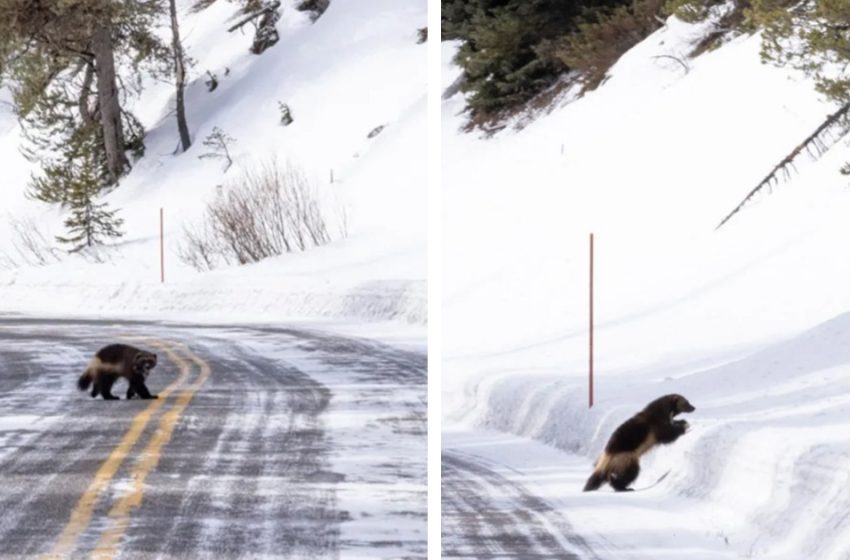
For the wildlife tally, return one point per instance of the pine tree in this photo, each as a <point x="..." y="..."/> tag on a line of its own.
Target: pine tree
<point x="90" y="222"/>
<point x="58" y="138"/>
<point x="51" y="36"/>
<point x="604" y="35"/>
<point x="62" y="59"/>
<point x="76" y="48"/>
<point x="218" y="142"/>
<point x="503" y="54"/>
<point x="509" y="52"/>
<point x="814" y="37"/>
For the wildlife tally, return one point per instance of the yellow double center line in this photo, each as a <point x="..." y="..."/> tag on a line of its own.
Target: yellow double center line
<point x="119" y="515"/>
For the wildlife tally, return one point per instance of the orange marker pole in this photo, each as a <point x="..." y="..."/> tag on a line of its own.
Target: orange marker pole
<point x="161" y="246"/>
<point x="590" y="359"/>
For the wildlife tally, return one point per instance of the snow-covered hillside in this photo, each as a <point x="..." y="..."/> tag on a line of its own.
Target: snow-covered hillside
<point x="356" y="68"/>
<point x="749" y="322"/>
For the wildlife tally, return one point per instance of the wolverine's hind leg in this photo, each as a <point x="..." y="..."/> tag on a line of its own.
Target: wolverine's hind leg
<point x="106" y="382"/>
<point x="623" y="476"/>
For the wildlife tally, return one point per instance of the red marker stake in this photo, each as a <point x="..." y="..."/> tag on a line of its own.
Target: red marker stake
<point x="161" y="246"/>
<point x="590" y="359"/>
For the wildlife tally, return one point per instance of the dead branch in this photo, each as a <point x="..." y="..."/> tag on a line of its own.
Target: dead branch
<point x="814" y="140"/>
<point x="676" y="58"/>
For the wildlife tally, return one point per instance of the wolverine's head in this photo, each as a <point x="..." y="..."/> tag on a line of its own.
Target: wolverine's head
<point x="668" y="406"/>
<point x="679" y="404"/>
<point x="144" y="363"/>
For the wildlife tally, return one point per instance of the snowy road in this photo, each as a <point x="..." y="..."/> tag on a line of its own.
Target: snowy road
<point x="264" y="443"/>
<point x="486" y="515"/>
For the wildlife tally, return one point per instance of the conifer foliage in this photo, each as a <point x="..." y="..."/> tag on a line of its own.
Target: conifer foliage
<point x="814" y="36"/>
<point x="71" y="65"/>
<point x="504" y="52"/>
<point x="90" y="222"/>
<point x="512" y="50"/>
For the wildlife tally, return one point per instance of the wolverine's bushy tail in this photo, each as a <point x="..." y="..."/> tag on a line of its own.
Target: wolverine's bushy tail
<point x="594" y="482"/>
<point x="84" y="381"/>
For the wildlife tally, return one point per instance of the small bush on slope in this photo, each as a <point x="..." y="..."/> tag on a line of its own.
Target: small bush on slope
<point x="217" y="144"/>
<point x="266" y="212"/>
<point x="606" y="35"/>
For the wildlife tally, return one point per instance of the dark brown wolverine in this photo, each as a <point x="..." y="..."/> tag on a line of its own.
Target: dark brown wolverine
<point x="619" y="464"/>
<point x="114" y="361"/>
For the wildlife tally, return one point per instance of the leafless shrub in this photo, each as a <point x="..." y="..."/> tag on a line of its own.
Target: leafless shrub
<point x="98" y="254"/>
<point x="201" y="248"/>
<point x="7" y="262"/>
<point x="268" y="211"/>
<point x="33" y="246"/>
<point x="681" y="61"/>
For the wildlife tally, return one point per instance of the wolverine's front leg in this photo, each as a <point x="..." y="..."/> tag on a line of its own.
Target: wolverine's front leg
<point x="137" y="385"/>
<point x="671" y="432"/>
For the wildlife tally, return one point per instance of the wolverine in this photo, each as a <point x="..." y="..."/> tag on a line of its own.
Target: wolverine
<point x="114" y="361"/>
<point x="656" y="424"/>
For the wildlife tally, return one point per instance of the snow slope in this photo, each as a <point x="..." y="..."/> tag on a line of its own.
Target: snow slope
<point x="357" y="67"/>
<point x="749" y="322"/>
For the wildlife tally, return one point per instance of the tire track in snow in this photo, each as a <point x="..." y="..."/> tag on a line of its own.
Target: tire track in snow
<point x="250" y="494"/>
<point x="487" y="516"/>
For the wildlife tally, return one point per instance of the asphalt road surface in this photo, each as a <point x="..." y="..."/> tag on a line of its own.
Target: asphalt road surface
<point x="264" y="443"/>
<point x="487" y="516"/>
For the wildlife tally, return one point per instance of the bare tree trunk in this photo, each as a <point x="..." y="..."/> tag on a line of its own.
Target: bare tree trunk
<point x="85" y="91"/>
<point x="108" y="102"/>
<point x="180" y="73"/>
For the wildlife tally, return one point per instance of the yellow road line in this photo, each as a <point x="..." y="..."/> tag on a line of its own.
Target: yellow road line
<point x="82" y="514"/>
<point x="107" y="546"/>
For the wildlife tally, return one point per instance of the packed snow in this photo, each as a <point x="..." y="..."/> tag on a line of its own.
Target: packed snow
<point x="354" y="69"/>
<point x="749" y="322"/>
